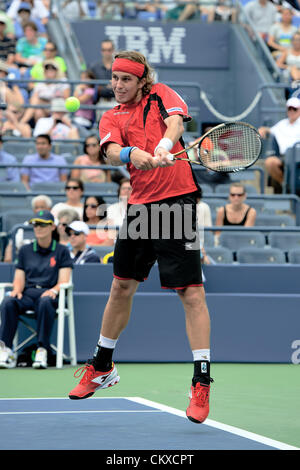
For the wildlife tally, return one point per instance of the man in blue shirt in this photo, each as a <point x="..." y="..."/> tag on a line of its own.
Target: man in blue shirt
<point x="8" y="174"/>
<point x="32" y="175"/>
<point x="41" y="267"/>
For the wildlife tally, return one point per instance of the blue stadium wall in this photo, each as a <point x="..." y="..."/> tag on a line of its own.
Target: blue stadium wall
<point x="255" y="315"/>
<point x="216" y="57"/>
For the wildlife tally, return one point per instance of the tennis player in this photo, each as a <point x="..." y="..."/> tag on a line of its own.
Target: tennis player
<point x="148" y="123"/>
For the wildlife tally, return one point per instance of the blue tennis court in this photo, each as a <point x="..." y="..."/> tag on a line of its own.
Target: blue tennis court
<point x="114" y="423"/>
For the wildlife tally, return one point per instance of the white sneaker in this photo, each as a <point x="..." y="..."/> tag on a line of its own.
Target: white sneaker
<point x="8" y="359"/>
<point x="40" y="361"/>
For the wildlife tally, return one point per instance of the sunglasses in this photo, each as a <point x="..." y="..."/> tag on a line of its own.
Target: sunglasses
<point x="50" y="67"/>
<point x="93" y="206"/>
<point x="72" y="187"/>
<point x="237" y="194"/>
<point x="91" y="145"/>
<point x="291" y="108"/>
<point x="76" y="234"/>
<point x="63" y="224"/>
<point x="40" y="224"/>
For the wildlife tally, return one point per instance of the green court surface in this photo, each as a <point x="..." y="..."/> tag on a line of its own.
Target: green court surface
<point x="260" y="398"/>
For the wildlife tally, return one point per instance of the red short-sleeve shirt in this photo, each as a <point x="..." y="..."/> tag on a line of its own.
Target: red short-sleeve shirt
<point x="142" y="125"/>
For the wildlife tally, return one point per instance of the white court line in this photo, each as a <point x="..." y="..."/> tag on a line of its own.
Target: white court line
<point x="168" y="409"/>
<point x="75" y="412"/>
<point x="215" y="424"/>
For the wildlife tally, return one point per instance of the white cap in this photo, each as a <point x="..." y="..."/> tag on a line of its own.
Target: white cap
<point x="78" y="226"/>
<point x="293" y="102"/>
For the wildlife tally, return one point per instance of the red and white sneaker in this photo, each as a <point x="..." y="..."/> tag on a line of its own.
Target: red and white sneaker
<point x="92" y="381"/>
<point x="198" y="408"/>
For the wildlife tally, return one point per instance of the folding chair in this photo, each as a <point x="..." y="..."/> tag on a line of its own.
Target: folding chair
<point x="65" y="310"/>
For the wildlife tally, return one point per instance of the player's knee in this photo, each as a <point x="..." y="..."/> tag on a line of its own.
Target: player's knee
<point x="123" y="288"/>
<point x="193" y="297"/>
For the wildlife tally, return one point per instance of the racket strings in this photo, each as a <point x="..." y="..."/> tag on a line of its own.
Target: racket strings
<point x="230" y="147"/>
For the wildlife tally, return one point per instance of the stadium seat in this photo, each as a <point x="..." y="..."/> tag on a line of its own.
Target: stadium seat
<point x="294" y="256"/>
<point x="49" y="187"/>
<point x="224" y="188"/>
<point x="109" y="188"/>
<point x="73" y="149"/>
<point x="260" y="256"/>
<point x="14" y="217"/>
<point x="284" y="240"/>
<point x="236" y="240"/>
<point x="103" y="250"/>
<point x="14" y="203"/>
<point x="220" y="254"/>
<point x="209" y="238"/>
<point x="19" y="148"/>
<point x="276" y="220"/>
<point x="214" y="204"/>
<point x="12" y="186"/>
<point x="206" y="189"/>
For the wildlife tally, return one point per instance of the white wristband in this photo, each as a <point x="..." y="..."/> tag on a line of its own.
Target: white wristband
<point x="165" y="143"/>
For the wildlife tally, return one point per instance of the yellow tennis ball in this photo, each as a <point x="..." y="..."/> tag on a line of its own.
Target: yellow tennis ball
<point x="72" y="104"/>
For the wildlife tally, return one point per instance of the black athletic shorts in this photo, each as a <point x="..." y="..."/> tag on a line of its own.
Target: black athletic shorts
<point x="166" y="232"/>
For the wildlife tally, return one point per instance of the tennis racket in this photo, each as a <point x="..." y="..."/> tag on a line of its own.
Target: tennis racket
<point x="226" y="148"/>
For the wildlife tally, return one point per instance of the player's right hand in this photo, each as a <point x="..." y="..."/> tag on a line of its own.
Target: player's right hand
<point x="143" y="160"/>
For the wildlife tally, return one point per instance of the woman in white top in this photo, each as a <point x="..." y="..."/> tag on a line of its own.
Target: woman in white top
<point x="74" y="193"/>
<point x="290" y="59"/>
<point x="116" y="212"/>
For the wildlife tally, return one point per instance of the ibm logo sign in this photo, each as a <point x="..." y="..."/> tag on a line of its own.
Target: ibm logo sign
<point x="150" y="41"/>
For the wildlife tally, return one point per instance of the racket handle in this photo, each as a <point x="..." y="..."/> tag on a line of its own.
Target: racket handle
<point x="170" y="156"/>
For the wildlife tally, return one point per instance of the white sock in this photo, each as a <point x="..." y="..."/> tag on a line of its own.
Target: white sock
<point x="107" y="342"/>
<point x="201" y="354"/>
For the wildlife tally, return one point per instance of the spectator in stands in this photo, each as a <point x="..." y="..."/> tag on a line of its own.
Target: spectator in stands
<point x="182" y="12"/>
<point x="58" y="125"/>
<point x="280" y="34"/>
<point x="29" y="49"/>
<point x="81" y="253"/>
<point x="91" y="157"/>
<point x="43" y="156"/>
<point x="39" y="9"/>
<point x="236" y="212"/>
<point x="224" y="11"/>
<point x="45" y="93"/>
<point x="7" y="44"/>
<point x="38" y="203"/>
<point x="8" y="173"/>
<point x="9" y="94"/>
<point x="74" y="192"/>
<point x="289" y="60"/>
<point x="64" y="218"/>
<point x="263" y="15"/>
<point x="9" y="30"/>
<point x="40" y="269"/>
<point x="95" y="213"/>
<point x="74" y="9"/>
<point x="150" y="11"/>
<point x="109" y="10"/>
<point x="86" y="94"/>
<point x="24" y="15"/>
<point x="102" y="71"/>
<point x="116" y="212"/>
<point x="13" y="125"/>
<point x="49" y="53"/>
<point x="284" y="134"/>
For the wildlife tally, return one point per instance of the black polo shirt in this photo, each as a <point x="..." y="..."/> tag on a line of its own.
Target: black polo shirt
<point x="41" y="265"/>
